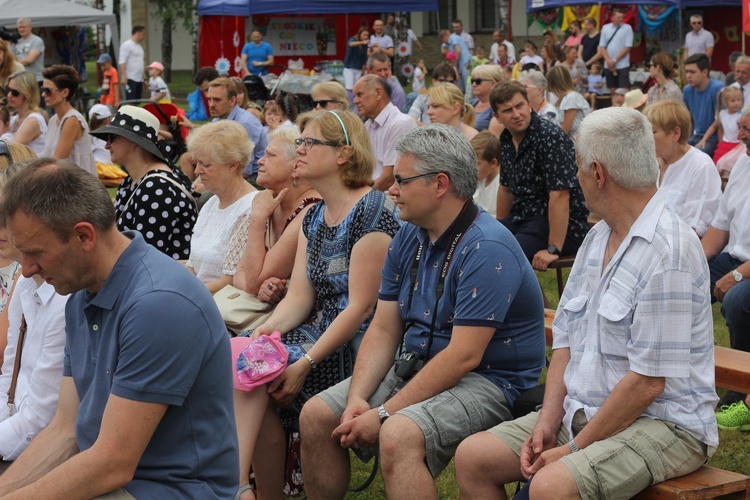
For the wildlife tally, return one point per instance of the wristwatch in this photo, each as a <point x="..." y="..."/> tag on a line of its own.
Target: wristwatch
<point x="553" y="250"/>
<point x="737" y="276"/>
<point x="312" y="362"/>
<point x="382" y="414"/>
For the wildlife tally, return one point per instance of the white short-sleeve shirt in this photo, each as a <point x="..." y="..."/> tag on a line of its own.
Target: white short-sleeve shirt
<point x="734" y="210"/>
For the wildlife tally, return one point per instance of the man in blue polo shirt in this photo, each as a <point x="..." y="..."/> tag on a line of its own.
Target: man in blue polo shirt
<point x="145" y="407"/>
<point x="256" y="55"/>
<point x="474" y="320"/>
<point x="700" y="97"/>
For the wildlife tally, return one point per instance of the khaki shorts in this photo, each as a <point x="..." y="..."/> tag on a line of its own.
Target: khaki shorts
<point x="649" y="451"/>
<point x="473" y="405"/>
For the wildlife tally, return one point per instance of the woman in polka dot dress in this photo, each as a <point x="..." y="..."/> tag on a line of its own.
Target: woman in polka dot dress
<point x="153" y="200"/>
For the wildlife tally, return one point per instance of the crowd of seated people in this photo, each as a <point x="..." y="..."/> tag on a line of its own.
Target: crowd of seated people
<point x="348" y="221"/>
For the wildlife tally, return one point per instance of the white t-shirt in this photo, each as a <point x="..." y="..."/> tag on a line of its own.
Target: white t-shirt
<point x="157" y="85"/>
<point x="573" y="100"/>
<point x="537" y="59"/>
<point x="486" y="195"/>
<point x="211" y="235"/>
<point x="621" y="38"/>
<point x="729" y="124"/>
<point x="131" y="55"/>
<point x="101" y="154"/>
<point x="37" y="144"/>
<point x="417" y="84"/>
<point x="692" y="188"/>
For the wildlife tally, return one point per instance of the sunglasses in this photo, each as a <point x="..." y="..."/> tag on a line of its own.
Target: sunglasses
<point x="322" y="103"/>
<point x="48" y="91"/>
<point x="10" y="91"/>
<point x="698" y="23"/>
<point x="478" y="81"/>
<point x="445" y="80"/>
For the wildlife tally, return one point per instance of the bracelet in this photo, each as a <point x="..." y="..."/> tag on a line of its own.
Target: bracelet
<point x="573" y="446"/>
<point x="312" y="362"/>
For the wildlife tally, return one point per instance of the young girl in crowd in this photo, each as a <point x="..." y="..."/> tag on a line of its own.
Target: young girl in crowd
<point x="420" y="71"/>
<point x="726" y="126"/>
<point x="531" y="55"/>
<point x="156" y="84"/>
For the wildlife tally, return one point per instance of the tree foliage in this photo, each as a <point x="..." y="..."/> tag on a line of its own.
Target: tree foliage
<point x="172" y="13"/>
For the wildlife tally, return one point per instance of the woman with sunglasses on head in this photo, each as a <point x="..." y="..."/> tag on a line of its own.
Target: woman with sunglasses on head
<point x="68" y="132"/>
<point x="330" y="96"/>
<point x="483" y="78"/>
<point x="662" y="69"/>
<point x="443" y="73"/>
<point x="446" y="105"/>
<point x="29" y="125"/>
<point x="332" y="293"/>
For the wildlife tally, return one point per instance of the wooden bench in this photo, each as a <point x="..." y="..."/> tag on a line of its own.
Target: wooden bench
<point x="732" y="372"/>
<point x="567" y="260"/>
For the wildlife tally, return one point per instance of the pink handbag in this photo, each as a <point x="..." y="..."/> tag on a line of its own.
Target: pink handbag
<point x="257" y="361"/>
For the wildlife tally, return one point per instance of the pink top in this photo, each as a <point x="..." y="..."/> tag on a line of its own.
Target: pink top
<point x="572" y="41"/>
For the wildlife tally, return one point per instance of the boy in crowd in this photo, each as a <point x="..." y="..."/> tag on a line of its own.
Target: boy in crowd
<point x="110" y="93"/>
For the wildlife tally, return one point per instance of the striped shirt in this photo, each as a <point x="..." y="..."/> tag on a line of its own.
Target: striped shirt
<point x="648" y="312"/>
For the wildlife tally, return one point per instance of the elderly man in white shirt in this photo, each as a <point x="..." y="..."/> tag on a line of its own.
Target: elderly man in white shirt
<point x="632" y="361"/>
<point x="727" y="247"/>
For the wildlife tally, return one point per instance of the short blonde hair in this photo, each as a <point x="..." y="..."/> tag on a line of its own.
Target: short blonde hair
<point x="225" y="142"/>
<point x="357" y="172"/>
<point x="489" y="72"/>
<point x="447" y="95"/>
<point x="20" y="154"/>
<point x="335" y="91"/>
<point x="669" y="114"/>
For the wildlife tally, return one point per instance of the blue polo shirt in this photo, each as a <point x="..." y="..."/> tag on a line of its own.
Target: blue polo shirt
<point x="489" y="283"/>
<point x="256" y="133"/>
<point x="702" y="104"/>
<point x="153" y="333"/>
<point x="259" y="53"/>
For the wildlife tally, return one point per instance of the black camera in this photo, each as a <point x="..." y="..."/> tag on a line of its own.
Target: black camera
<point x="9" y="36"/>
<point x="409" y="364"/>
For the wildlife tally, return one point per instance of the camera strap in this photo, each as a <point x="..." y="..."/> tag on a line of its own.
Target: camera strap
<point x="464" y="220"/>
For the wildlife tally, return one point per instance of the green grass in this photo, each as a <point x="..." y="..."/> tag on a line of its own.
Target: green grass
<point x="733" y="453"/>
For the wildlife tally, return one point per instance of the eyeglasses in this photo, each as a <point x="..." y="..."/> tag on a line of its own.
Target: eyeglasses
<point x="445" y="80"/>
<point x="696" y="23"/>
<point x="403" y="180"/>
<point x="13" y="92"/>
<point x="322" y="103"/>
<point x="48" y="91"/>
<point x="309" y="142"/>
<point x="478" y="81"/>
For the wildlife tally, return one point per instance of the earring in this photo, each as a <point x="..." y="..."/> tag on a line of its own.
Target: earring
<point x="294" y="182"/>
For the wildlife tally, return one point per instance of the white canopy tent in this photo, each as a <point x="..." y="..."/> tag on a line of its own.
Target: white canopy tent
<point x="54" y="13"/>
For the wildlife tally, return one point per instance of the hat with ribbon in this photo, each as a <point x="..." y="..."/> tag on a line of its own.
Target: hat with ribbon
<point x="136" y="125"/>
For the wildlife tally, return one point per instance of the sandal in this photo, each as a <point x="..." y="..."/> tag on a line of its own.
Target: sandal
<point x="241" y="490"/>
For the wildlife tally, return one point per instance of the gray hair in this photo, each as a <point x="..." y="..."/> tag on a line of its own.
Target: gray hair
<point x="536" y="78"/>
<point x="438" y="147"/>
<point x="24" y="21"/>
<point x="743" y="59"/>
<point x="286" y="136"/>
<point x="622" y="140"/>
<point x="697" y="16"/>
<point x="59" y="194"/>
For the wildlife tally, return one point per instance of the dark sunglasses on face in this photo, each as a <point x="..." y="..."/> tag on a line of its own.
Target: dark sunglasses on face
<point x="48" y="91"/>
<point x="478" y="81"/>
<point x="10" y="91"/>
<point x="322" y="103"/>
<point x="696" y="23"/>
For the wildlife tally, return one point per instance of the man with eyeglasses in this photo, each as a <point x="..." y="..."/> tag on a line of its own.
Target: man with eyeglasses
<point x="727" y="248"/>
<point x="539" y="200"/>
<point x="464" y="305"/>
<point x="385" y="125"/>
<point x="699" y="40"/>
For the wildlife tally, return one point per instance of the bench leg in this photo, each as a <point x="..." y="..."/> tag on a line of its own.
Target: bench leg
<point x="560" y="285"/>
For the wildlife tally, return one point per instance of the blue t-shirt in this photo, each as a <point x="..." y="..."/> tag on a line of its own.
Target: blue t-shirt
<point x="483" y="119"/>
<point x="259" y="53"/>
<point x="702" y="104"/>
<point x="463" y="60"/>
<point x="153" y="334"/>
<point x="489" y="283"/>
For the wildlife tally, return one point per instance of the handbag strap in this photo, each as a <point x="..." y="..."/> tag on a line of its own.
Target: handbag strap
<point x="612" y="37"/>
<point x="165" y="176"/>
<point x="16" y="365"/>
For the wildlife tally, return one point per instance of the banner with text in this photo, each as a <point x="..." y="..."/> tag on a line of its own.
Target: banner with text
<point x="297" y="36"/>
